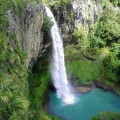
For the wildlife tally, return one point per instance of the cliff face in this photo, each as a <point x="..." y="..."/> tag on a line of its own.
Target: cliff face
<point x="20" y="33"/>
<point x="79" y="13"/>
<point x="31" y="37"/>
<point x="86" y="12"/>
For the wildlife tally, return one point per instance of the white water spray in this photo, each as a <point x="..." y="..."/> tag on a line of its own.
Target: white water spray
<point x="58" y="70"/>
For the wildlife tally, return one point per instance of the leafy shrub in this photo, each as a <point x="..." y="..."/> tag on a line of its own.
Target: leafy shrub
<point x="3" y="44"/>
<point x="85" y="71"/>
<point x="39" y="80"/>
<point x="64" y="2"/>
<point x="111" y="67"/>
<point x="48" y="23"/>
<point x="79" y="37"/>
<point x="115" y="2"/>
<point x="106" y="3"/>
<point x="56" y="3"/>
<point x="99" y="1"/>
<point x="107" y="116"/>
<point x="109" y="13"/>
<point x="104" y="38"/>
<point x="119" y="3"/>
<point x="108" y="32"/>
<point x="108" y="29"/>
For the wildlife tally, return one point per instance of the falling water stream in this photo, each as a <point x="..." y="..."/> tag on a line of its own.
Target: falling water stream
<point x="58" y="70"/>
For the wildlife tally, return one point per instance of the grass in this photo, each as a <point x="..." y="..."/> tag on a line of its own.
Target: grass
<point x="86" y="71"/>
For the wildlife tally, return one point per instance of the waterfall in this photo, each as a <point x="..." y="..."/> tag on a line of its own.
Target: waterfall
<point x="58" y="70"/>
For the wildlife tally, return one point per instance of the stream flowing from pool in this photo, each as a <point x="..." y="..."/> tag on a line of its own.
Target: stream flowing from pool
<point x="58" y="70"/>
<point x="86" y="105"/>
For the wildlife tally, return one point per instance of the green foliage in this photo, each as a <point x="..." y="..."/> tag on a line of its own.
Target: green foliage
<point x="13" y="91"/>
<point x="119" y="3"/>
<point x="18" y="7"/>
<point x="56" y="3"/>
<point x="104" y="39"/>
<point x="64" y="2"/>
<point x="109" y="14"/>
<point x="118" y="17"/>
<point x="99" y="1"/>
<point x="79" y="38"/>
<point x="86" y="71"/>
<point x="39" y="114"/>
<point x="111" y="67"/>
<point x="106" y="3"/>
<point x="14" y="87"/>
<point x="63" y="30"/>
<point x="3" y="44"/>
<point x="13" y="78"/>
<point x="39" y="86"/>
<point x="48" y="23"/>
<point x="115" y="2"/>
<point x="39" y="82"/>
<point x="95" y="43"/>
<point x="107" y="116"/>
<point x="108" y="28"/>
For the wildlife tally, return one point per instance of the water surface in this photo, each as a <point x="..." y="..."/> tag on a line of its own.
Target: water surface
<point x="86" y="106"/>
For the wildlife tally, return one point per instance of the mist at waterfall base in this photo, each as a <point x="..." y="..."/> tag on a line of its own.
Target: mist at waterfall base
<point x="58" y="70"/>
<point x="86" y="105"/>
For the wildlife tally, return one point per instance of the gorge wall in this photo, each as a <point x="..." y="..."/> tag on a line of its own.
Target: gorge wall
<point x="79" y="13"/>
<point x="31" y="36"/>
